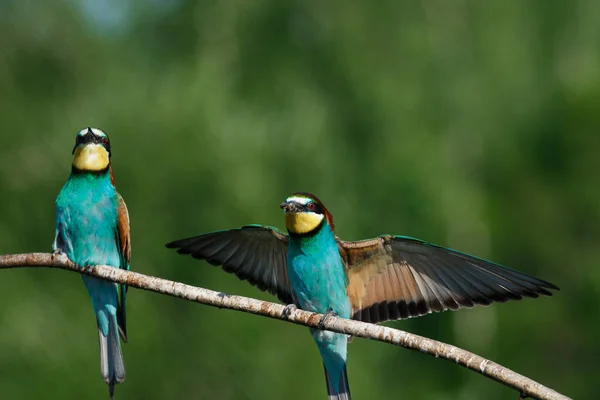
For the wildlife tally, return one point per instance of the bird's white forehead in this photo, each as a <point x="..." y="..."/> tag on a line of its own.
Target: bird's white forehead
<point x="300" y="200"/>
<point x="95" y="131"/>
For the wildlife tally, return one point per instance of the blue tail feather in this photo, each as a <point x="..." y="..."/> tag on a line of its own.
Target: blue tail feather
<point x="112" y="366"/>
<point x="338" y="390"/>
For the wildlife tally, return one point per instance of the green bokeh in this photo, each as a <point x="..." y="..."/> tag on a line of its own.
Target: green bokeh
<point x="470" y="124"/>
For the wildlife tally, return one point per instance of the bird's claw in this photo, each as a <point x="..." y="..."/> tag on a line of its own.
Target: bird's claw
<point x="324" y="318"/>
<point x="57" y="253"/>
<point x="288" y="310"/>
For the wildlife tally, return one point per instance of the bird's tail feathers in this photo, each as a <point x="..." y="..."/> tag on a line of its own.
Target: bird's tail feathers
<point x="340" y="391"/>
<point x="112" y="366"/>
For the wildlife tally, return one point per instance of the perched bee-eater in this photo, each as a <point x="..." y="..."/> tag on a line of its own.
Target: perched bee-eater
<point x="386" y="278"/>
<point x="92" y="228"/>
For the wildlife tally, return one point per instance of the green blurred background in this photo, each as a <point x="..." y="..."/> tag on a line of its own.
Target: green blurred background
<point x="470" y="124"/>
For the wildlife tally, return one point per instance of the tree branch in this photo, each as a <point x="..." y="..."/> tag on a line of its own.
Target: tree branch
<point x="525" y="386"/>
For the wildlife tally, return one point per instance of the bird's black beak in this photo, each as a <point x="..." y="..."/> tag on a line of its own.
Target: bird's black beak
<point x="290" y="206"/>
<point x="87" y="138"/>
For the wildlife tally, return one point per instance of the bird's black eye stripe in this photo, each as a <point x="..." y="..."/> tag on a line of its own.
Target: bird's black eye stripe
<point x="314" y="207"/>
<point x="78" y="141"/>
<point x="104" y="142"/>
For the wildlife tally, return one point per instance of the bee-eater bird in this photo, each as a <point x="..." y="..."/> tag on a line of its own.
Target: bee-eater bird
<point x="92" y="228"/>
<point x="375" y="280"/>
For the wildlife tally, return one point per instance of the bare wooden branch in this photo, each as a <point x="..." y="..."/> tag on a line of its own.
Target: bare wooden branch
<point x="525" y="386"/>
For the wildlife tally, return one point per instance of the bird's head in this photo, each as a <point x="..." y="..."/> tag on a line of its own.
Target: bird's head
<point x="91" y="151"/>
<point x="305" y="214"/>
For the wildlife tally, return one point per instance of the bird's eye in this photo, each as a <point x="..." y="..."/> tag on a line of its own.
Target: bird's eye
<point x="310" y="206"/>
<point x="104" y="140"/>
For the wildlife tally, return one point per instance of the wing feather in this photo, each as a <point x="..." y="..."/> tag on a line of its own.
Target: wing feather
<point x="257" y="254"/>
<point x="124" y="240"/>
<point x="394" y="277"/>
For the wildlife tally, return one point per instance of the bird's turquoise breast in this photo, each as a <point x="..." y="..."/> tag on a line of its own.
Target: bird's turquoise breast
<point x="318" y="282"/>
<point x="87" y="212"/>
<point x="317" y="275"/>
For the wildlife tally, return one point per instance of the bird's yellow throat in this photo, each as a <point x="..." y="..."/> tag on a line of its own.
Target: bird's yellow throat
<point x="302" y="223"/>
<point x="91" y="157"/>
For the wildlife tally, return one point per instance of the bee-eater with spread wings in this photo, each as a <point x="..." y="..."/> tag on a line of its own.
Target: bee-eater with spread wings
<point x="386" y="278"/>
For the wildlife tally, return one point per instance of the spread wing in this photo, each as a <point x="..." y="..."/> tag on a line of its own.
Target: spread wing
<point x="124" y="241"/>
<point x="394" y="277"/>
<point x="254" y="253"/>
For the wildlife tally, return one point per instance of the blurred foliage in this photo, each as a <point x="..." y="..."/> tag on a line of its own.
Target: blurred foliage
<point x="469" y="124"/>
